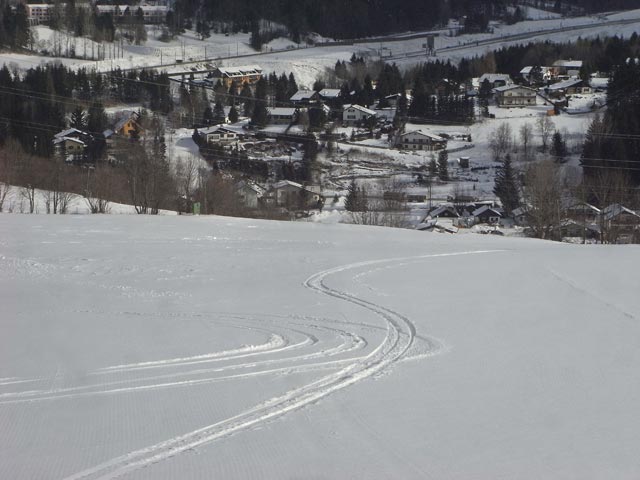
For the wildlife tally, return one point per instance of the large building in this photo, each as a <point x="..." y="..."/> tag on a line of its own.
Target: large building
<point x="511" y="96"/>
<point x="249" y="74"/>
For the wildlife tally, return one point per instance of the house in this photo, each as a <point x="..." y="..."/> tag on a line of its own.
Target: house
<point x="38" y="13"/>
<point x="566" y="68"/>
<point x="71" y="144"/>
<point x="218" y="134"/>
<point x="619" y="224"/>
<point x="511" y="96"/>
<point x="282" y="115"/>
<point x="582" y="212"/>
<point x="520" y="216"/>
<point x="418" y="140"/>
<point x="443" y="211"/>
<point x="527" y="74"/>
<point x="330" y="94"/>
<point x="355" y="114"/>
<point x="304" y="97"/>
<point x="495" y="80"/>
<point x="294" y="196"/>
<point x="70" y="148"/>
<point x="393" y="100"/>
<point x="248" y="74"/>
<point x="126" y="124"/>
<point x="487" y="214"/>
<point x="250" y="193"/>
<point x="568" y="87"/>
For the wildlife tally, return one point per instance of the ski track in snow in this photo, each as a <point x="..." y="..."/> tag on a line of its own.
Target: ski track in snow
<point x="398" y="344"/>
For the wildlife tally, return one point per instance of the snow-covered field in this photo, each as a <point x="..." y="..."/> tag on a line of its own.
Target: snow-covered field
<point x="204" y="347"/>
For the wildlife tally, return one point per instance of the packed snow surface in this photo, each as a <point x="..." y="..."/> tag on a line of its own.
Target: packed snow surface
<point x="202" y="347"/>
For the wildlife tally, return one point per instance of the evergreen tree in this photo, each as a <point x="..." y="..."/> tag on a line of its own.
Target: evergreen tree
<point x="506" y="186"/>
<point x="78" y="119"/>
<point x="218" y="113"/>
<point x="356" y="199"/>
<point x="233" y="114"/>
<point x="443" y="165"/>
<point x="558" y="146"/>
<point x="96" y="118"/>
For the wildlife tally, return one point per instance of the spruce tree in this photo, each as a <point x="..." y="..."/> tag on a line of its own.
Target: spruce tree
<point x="233" y="114"/>
<point x="506" y="186"/>
<point x="443" y="165"/>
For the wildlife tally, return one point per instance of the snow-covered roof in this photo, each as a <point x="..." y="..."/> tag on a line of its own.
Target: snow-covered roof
<point x="282" y="111"/>
<point x="360" y="108"/>
<point x="123" y="117"/>
<point x="301" y="95"/>
<point x="572" y="64"/>
<point x="430" y="136"/>
<point x="565" y="84"/>
<point x="495" y="77"/>
<point x="58" y="140"/>
<point x="244" y="184"/>
<point x="68" y="132"/>
<point x="242" y="71"/>
<point x="436" y="212"/>
<point x="330" y="92"/>
<point x="506" y="88"/>
<point x="484" y="209"/>
<point x="214" y="129"/>
<point x="615" y="209"/>
<point x="286" y="183"/>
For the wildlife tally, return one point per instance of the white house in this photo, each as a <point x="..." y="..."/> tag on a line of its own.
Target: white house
<point x="354" y="114"/>
<point x="418" y="140"/>
<point x="511" y="96"/>
<point x="218" y="134"/>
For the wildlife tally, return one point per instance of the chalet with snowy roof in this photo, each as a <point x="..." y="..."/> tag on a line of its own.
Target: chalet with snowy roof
<point x="495" y="79"/>
<point x="394" y="99"/>
<point x="304" y="97"/>
<point x="572" y="86"/>
<point x="566" y="68"/>
<point x="528" y="73"/>
<point x="127" y="124"/>
<point x="418" y="140"/>
<point x="294" y="196"/>
<point x="487" y="214"/>
<point x="218" y="135"/>
<point x="620" y="224"/>
<point x="71" y="144"/>
<point x="282" y="115"/>
<point x="442" y="211"/>
<point x="511" y="96"/>
<point x="329" y="94"/>
<point x="355" y="114"/>
<point x="248" y="74"/>
<point x="250" y="193"/>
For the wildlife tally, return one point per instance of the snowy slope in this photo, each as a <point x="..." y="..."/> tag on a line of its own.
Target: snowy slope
<point x="203" y="347"/>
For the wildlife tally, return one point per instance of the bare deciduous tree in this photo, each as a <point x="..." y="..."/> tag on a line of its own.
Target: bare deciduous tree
<point x="526" y="135"/>
<point x="542" y="193"/>
<point x="501" y="141"/>
<point x="545" y="128"/>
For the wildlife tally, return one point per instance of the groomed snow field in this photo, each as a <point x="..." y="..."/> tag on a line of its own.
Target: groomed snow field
<point x="140" y="347"/>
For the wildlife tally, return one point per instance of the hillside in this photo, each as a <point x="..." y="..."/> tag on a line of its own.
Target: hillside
<point x="208" y="347"/>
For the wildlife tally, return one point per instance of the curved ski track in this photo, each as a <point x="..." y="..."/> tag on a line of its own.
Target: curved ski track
<point x="400" y="336"/>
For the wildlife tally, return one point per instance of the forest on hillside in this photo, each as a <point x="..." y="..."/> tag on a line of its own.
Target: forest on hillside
<point x="370" y="17"/>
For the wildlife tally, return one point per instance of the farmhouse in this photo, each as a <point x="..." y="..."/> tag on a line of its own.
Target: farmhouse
<point x="515" y="96"/>
<point x="249" y="193"/>
<point x="418" y="140"/>
<point x="566" y="68"/>
<point x="487" y="214"/>
<point x="354" y="114"/>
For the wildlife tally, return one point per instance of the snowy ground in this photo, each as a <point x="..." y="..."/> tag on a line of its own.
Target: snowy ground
<point x="203" y="347"/>
<point x="282" y="55"/>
